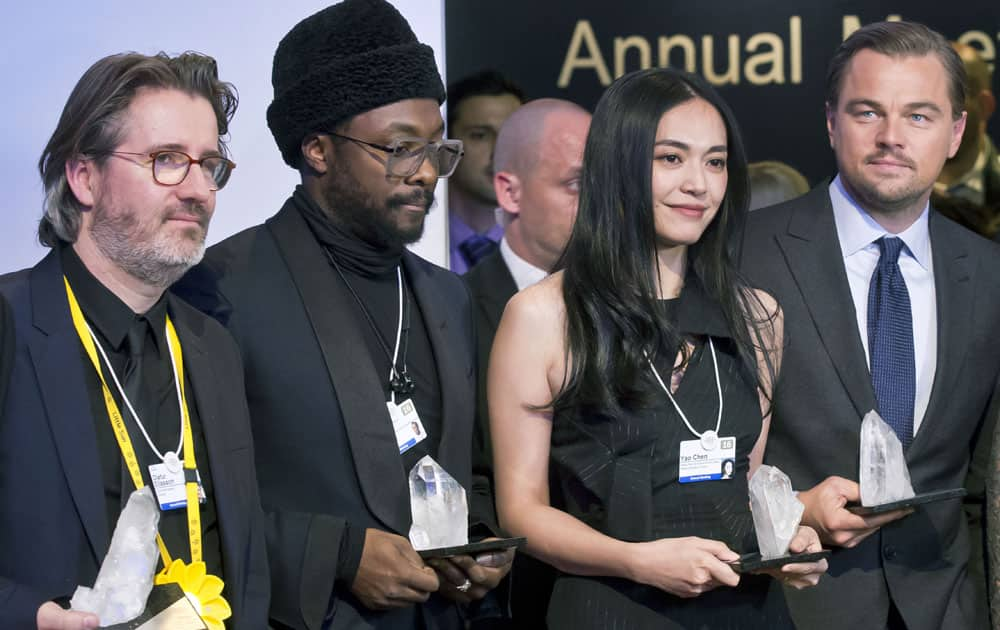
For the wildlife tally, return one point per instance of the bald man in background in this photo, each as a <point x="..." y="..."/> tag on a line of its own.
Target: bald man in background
<point x="537" y="161"/>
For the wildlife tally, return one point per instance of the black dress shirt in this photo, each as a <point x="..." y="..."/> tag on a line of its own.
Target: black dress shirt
<point x="157" y="406"/>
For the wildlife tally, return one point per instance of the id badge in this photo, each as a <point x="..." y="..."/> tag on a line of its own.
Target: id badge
<point x="698" y="463"/>
<point x="406" y="424"/>
<point x="169" y="487"/>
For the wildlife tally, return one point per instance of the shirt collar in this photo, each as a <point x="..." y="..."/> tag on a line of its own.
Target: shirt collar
<point x="856" y="229"/>
<point x="525" y="274"/>
<point x="105" y="311"/>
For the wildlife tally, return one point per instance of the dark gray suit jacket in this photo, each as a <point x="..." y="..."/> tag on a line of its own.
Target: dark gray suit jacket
<point x="824" y="389"/>
<point x="327" y="452"/>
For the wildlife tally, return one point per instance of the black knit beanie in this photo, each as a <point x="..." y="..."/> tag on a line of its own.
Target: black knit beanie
<point x="347" y="59"/>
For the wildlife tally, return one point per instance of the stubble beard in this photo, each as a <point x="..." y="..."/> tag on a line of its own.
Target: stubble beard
<point x="353" y="208"/>
<point x="158" y="261"/>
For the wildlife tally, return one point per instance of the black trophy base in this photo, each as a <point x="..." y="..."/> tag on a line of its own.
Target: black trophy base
<point x="750" y="562"/>
<point x="920" y="499"/>
<point x="473" y="548"/>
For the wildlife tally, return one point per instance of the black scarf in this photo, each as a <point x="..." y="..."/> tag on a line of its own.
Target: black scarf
<point x="350" y="252"/>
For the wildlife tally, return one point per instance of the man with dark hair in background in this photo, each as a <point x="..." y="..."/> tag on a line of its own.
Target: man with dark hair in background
<point x="344" y="332"/>
<point x="101" y="394"/>
<point x="888" y="306"/>
<point x="477" y="107"/>
<point x="538" y="156"/>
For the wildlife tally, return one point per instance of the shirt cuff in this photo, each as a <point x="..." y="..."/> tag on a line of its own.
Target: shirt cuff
<point x="352" y="544"/>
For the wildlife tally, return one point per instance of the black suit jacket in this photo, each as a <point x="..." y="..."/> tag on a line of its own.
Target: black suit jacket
<point x="53" y="527"/>
<point x="530" y="583"/>
<point x="491" y="286"/>
<point x="824" y="390"/>
<point x="328" y="455"/>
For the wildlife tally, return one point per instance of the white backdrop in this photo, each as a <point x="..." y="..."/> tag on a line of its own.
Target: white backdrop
<point x="46" y="45"/>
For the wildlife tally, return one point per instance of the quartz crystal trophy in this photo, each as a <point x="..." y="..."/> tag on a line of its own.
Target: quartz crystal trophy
<point x="883" y="475"/>
<point x="441" y="515"/>
<point x="776" y="516"/>
<point x="123" y="597"/>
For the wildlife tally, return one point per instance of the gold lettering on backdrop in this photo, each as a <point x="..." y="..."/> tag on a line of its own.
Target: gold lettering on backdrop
<point x="622" y="45"/>
<point x="773" y="58"/>
<point x="795" y="36"/>
<point x="764" y="64"/>
<point x="678" y="41"/>
<point x="982" y="42"/>
<point x="583" y="36"/>
<point x="851" y="23"/>
<point x="732" y="72"/>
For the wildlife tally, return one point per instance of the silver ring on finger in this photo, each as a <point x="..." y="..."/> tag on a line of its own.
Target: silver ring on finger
<point x="465" y="586"/>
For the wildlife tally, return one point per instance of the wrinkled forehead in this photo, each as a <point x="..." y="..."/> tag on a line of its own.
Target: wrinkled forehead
<point x="169" y="118"/>
<point x="870" y="75"/>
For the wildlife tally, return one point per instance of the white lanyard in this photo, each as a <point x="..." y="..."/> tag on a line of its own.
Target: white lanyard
<point x="709" y="439"/>
<point x="399" y="334"/>
<point x="170" y="458"/>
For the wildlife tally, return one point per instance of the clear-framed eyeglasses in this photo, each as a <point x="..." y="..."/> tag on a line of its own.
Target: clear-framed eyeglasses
<point x="170" y="168"/>
<point x="405" y="155"/>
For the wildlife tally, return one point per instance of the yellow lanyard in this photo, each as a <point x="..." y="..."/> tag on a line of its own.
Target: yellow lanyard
<point x="125" y="443"/>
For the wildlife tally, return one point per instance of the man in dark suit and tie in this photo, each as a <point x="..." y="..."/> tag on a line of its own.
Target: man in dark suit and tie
<point x="887" y="306"/>
<point x="115" y="384"/>
<point x="539" y="152"/>
<point x="344" y="332"/>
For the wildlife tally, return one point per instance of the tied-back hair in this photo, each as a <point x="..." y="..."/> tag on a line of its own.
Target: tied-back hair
<point x="91" y="124"/>
<point x="610" y="277"/>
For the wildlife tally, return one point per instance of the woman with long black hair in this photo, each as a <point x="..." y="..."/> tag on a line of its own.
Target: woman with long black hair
<point x="620" y="385"/>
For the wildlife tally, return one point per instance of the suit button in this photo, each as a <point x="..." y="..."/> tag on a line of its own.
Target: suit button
<point x="889" y="552"/>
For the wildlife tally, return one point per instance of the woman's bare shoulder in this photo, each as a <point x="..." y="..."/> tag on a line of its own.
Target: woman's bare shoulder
<point x="541" y="304"/>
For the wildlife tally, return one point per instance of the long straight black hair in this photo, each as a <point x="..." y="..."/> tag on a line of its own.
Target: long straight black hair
<point x="610" y="279"/>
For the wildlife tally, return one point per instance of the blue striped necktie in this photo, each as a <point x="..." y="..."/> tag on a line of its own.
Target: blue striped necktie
<point x="890" y="341"/>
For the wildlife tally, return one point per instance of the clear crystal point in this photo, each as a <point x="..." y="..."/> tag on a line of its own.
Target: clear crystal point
<point x="438" y="505"/>
<point x="776" y="511"/>
<point x="126" y="576"/>
<point x="884" y="476"/>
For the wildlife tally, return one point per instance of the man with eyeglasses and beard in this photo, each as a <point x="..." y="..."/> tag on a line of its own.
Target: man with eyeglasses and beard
<point x="113" y="383"/>
<point x="344" y="333"/>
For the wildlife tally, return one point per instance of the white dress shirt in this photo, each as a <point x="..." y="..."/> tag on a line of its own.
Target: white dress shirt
<point x="525" y="274"/>
<point x="857" y="233"/>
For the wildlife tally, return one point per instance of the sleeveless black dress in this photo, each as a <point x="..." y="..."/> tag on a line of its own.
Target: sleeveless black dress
<point x="621" y="477"/>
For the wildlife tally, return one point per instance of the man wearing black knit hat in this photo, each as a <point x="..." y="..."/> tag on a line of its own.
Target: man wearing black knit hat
<point x="340" y="326"/>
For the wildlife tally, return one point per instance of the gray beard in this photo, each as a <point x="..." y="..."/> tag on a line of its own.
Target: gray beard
<point x="151" y="263"/>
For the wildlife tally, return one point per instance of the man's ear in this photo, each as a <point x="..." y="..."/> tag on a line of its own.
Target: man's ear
<point x="83" y="178"/>
<point x="507" y="187"/>
<point x="829" y="113"/>
<point x="316" y="150"/>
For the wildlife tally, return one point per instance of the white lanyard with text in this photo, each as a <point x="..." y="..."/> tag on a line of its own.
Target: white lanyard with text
<point x="709" y="457"/>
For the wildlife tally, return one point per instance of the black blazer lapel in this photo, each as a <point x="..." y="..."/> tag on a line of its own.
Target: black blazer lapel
<point x="351" y="371"/>
<point x="493" y="288"/>
<point x="56" y="351"/>
<point x="454" y="357"/>
<point x="812" y="252"/>
<point x="220" y="439"/>
<point x="953" y="281"/>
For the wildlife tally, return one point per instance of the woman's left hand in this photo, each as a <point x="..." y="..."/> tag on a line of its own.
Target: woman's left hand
<point x="801" y="575"/>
